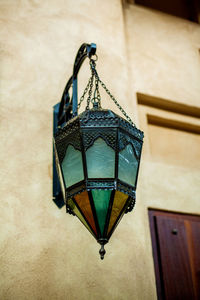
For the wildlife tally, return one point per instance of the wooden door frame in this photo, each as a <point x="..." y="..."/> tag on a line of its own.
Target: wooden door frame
<point x="152" y="212"/>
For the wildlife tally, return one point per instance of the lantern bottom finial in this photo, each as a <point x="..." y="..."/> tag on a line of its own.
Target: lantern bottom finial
<point x="102" y="252"/>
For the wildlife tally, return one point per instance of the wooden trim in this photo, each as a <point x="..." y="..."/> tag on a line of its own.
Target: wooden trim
<point x="153" y="213"/>
<point x="156" y="256"/>
<point x="175" y="214"/>
<point x="173" y="124"/>
<point x="168" y="105"/>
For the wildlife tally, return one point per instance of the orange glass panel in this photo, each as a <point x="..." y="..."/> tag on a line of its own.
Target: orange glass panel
<point x="84" y="204"/>
<point x="118" y="204"/>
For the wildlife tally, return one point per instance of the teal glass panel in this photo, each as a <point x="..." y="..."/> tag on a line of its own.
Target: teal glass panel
<point x="101" y="200"/>
<point x="72" y="166"/>
<point x="128" y="165"/>
<point x="100" y="160"/>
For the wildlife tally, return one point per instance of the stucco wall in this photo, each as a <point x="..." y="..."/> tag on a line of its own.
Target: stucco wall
<point x="45" y="253"/>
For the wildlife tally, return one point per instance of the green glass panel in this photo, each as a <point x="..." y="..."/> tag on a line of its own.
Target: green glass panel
<point x="101" y="200"/>
<point x="118" y="204"/>
<point x="78" y="214"/>
<point x="72" y="166"/>
<point x="128" y="165"/>
<point x="100" y="160"/>
<point x="83" y="202"/>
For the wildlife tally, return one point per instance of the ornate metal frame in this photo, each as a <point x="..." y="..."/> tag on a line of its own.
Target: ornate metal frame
<point x="81" y="131"/>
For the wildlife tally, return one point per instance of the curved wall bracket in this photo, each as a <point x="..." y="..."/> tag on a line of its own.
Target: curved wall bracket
<point x="67" y="108"/>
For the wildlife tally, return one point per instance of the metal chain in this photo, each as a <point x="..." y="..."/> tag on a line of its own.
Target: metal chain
<point x="96" y="100"/>
<point x="90" y="92"/>
<point x="88" y="89"/>
<point x="115" y="101"/>
<point x="84" y="93"/>
<point x="113" y="98"/>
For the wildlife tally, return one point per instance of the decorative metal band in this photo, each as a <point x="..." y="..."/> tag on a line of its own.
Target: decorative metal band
<point x="72" y="139"/>
<point x="101" y="184"/>
<point x="98" y="118"/>
<point x="131" y="129"/>
<point x="68" y="129"/>
<point x="108" y="135"/>
<point x="107" y="118"/>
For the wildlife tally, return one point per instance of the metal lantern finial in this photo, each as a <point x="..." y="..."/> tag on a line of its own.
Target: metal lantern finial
<point x="97" y="155"/>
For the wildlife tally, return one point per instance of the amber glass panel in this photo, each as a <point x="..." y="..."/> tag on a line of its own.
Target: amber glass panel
<point x="78" y="214"/>
<point x="84" y="204"/>
<point x="118" y="204"/>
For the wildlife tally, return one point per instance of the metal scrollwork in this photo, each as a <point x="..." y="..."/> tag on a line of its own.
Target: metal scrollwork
<point x="73" y="139"/>
<point x="109" y="136"/>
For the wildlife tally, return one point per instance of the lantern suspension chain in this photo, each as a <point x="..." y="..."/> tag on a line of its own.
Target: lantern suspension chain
<point x="84" y="93"/>
<point x="96" y="100"/>
<point x="115" y="101"/>
<point x="94" y="80"/>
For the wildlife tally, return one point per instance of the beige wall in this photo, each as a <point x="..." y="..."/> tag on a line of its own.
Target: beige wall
<point x="45" y="253"/>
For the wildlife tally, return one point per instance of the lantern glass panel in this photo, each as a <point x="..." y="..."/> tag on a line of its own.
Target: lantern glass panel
<point x="118" y="204"/>
<point x="72" y="166"/>
<point x="78" y="214"/>
<point x="101" y="200"/>
<point x="116" y="223"/>
<point x="128" y="165"/>
<point x="100" y="160"/>
<point x="84" y="203"/>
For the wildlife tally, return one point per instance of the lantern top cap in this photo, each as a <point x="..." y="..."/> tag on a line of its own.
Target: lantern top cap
<point x="102" y="118"/>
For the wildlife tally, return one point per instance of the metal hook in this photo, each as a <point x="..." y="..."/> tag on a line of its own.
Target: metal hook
<point x="94" y="59"/>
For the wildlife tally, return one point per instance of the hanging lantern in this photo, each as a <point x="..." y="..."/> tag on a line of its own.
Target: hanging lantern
<point x="97" y="155"/>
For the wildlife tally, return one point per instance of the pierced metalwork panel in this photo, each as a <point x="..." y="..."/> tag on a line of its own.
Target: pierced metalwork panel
<point x="68" y="129"/>
<point x="126" y="189"/>
<point x="131" y="129"/>
<point x="72" y="139"/>
<point x="101" y="184"/>
<point x="125" y="139"/>
<point x="99" y="118"/>
<point x="108" y="135"/>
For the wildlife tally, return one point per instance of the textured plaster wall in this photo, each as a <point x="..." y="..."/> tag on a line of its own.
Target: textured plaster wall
<point x="46" y="254"/>
<point x="165" y="62"/>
